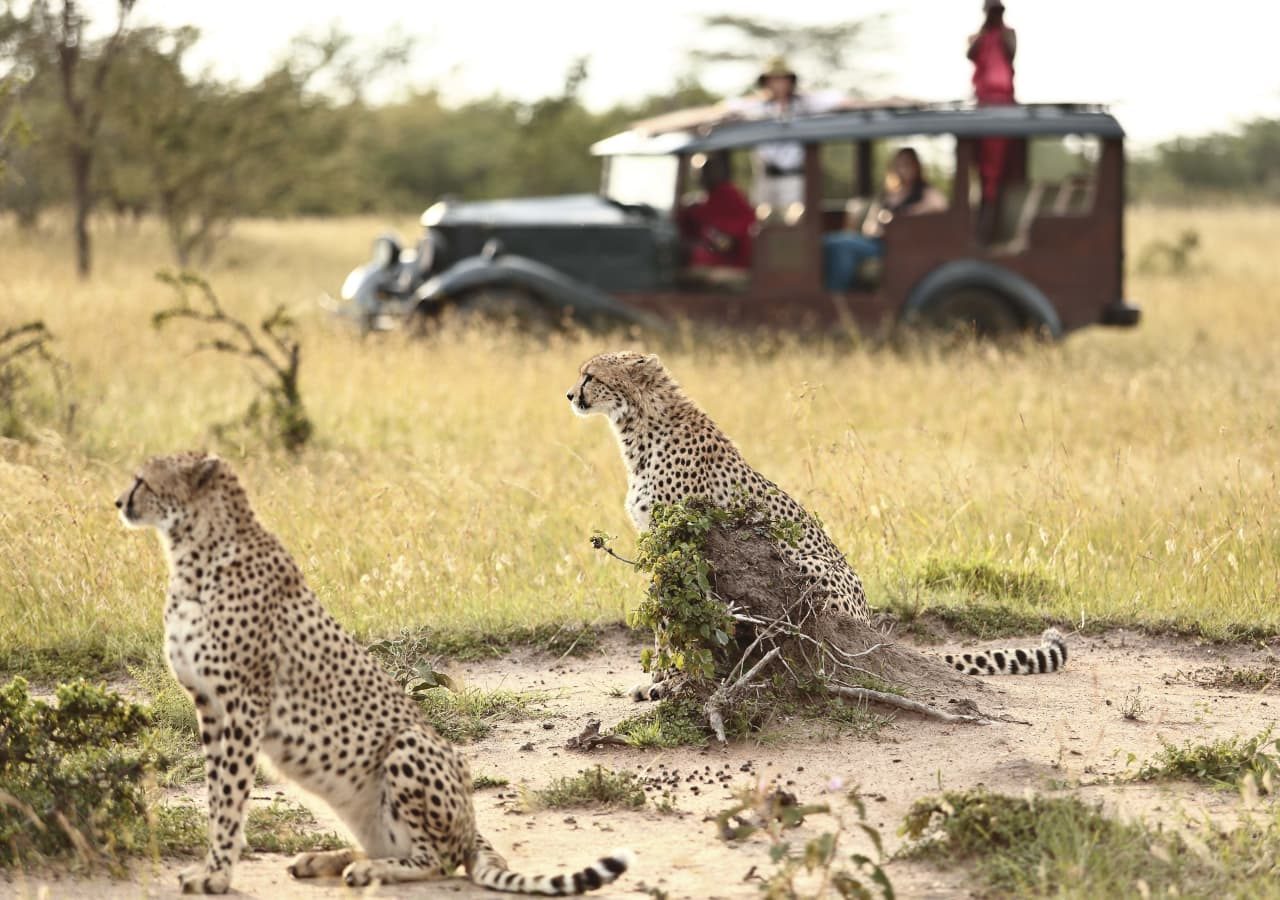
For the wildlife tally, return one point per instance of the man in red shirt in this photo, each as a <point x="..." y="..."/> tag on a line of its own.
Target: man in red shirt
<point x="718" y="228"/>
<point x="992" y="50"/>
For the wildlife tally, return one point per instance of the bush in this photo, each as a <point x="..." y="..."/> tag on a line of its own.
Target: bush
<point x="70" y="782"/>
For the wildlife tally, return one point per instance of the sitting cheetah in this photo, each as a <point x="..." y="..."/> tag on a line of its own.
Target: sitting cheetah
<point x="272" y="674"/>
<point x="672" y="450"/>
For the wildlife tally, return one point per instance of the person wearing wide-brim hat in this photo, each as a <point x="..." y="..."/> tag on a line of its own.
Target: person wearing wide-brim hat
<point x="777" y="68"/>
<point x="779" y="165"/>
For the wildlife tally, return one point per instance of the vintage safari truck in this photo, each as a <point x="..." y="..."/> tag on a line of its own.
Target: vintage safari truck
<point x="1048" y="258"/>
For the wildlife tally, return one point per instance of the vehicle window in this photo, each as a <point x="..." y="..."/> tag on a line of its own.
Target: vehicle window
<point x="844" y="209"/>
<point x="641" y="179"/>
<point x="1066" y="170"/>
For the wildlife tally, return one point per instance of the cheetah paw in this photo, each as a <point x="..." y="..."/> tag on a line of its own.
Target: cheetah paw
<point x="205" y="880"/>
<point x="324" y="864"/>
<point x="358" y="874"/>
<point x="649" y="690"/>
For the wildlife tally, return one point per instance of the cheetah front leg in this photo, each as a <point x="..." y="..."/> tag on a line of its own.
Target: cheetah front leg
<point x="230" y="735"/>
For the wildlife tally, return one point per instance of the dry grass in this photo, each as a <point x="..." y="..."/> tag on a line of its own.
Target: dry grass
<point x="449" y="486"/>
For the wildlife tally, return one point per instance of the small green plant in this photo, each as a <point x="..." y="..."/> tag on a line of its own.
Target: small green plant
<point x="590" y="787"/>
<point x="72" y="777"/>
<point x="689" y="623"/>
<point x="1133" y="707"/>
<point x="280" y="411"/>
<point x="673" y="722"/>
<point x="818" y="866"/>
<point x="463" y="715"/>
<point x="483" y="782"/>
<point x="1222" y="763"/>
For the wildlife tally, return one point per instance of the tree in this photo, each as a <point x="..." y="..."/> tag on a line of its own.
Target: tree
<point x="52" y="41"/>
<point x="820" y="52"/>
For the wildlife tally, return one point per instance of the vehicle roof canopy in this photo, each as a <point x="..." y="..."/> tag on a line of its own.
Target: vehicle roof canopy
<point x="961" y="120"/>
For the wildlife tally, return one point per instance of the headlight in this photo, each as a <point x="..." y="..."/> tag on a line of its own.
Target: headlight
<point x="434" y="214"/>
<point x="386" y="251"/>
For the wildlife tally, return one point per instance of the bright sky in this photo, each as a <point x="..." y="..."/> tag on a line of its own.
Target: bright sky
<point x="1167" y="68"/>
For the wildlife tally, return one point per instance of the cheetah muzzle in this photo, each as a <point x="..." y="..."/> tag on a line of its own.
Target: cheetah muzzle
<point x="274" y="677"/>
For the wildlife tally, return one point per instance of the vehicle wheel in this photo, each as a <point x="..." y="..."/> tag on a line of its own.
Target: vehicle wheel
<point x="974" y="310"/>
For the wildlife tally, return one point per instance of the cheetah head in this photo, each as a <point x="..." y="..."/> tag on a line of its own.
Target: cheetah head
<point x="615" y="384"/>
<point x="165" y="488"/>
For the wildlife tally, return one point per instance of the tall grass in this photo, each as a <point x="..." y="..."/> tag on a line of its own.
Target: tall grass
<point x="449" y="485"/>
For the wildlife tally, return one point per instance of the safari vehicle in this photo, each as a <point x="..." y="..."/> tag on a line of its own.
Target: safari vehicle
<point x="1053" y="263"/>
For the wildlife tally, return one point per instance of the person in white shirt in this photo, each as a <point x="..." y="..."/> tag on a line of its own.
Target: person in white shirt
<point x="779" y="165"/>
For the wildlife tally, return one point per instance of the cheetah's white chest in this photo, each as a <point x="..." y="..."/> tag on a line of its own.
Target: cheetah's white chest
<point x="185" y="632"/>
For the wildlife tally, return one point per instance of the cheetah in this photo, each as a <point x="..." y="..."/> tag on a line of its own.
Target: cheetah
<point x="673" y="450"/>
<point x="274" y="676"/>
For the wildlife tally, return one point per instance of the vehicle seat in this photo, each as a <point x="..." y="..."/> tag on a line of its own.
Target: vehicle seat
<point x="1019" y="206"/>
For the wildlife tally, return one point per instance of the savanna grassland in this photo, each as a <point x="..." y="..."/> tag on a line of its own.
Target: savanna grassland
<point x="1121" y="477"/>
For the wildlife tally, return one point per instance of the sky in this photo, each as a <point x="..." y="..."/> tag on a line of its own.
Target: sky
<point x="1166" y="68"/>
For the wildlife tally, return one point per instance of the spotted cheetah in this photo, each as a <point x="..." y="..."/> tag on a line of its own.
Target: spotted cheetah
<point x="672" y="450"/>
<point x="273" y="675"/>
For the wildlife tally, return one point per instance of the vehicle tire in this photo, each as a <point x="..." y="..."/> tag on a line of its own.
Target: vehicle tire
<point x="979" y="311"/>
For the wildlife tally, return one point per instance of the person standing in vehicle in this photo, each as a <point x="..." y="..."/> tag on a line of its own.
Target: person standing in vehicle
<point x="779" y="165"/>
<point x="991" y="51"/>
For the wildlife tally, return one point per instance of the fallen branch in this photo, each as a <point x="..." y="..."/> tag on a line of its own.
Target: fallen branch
<point x="924" y="709"/>
<point x="590" y="738"/>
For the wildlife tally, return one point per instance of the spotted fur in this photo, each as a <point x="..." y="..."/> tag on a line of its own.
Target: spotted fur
<point x="275" y="677"/>
<point x="1050" y="656"/>
<point x="673" y="450"/>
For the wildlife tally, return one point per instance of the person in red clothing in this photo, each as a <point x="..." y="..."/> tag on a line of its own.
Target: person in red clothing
<point x="718" y="228"/>
<point x="992" y="50"/>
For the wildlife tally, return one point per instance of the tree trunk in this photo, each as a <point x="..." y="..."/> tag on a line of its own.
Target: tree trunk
<point x="81" y="166"/>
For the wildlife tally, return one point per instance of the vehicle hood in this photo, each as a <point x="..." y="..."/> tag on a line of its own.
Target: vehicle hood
<point x="573" y="209"/>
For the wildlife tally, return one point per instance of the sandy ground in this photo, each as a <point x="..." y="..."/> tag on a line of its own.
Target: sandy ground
<point x="1076" y="734"/>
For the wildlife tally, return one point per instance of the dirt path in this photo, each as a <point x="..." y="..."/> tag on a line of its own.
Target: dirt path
<point x="1077" y="734"/>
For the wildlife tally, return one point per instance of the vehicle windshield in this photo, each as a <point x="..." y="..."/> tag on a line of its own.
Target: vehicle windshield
<point x="641" y="179"/>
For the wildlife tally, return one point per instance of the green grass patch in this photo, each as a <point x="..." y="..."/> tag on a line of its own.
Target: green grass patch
<point x="463" y="715"/>
<point x="411" y="647"/>
<point x="596" y="787"/>
<point x="670" y="723"/>
<point x="1222" y="763"/>
<point x="1063" y="847"/>
<point x="484" y="782"/>
<point x="280" y="827"/>
<point x="1239" y="678"/>
<point x="987" y="580"/>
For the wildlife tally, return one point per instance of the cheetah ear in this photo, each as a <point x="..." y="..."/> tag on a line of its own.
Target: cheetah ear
<point x="651" y="361"/>
<point x="202" y="472"/>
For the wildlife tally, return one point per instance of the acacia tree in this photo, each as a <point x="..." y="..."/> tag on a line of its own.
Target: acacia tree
<point x="50" y="42"/>
<point x="822" y="52"/>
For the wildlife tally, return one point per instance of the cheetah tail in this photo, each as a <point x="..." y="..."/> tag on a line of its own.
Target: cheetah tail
<point x="1050" y="656"/>
<point x="490" y="871"/>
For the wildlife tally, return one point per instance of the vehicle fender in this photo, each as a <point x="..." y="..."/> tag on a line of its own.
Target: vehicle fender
<point x="361" y="286"/>
<point x="544" y="283"/>
<point x="1025" y="297"/>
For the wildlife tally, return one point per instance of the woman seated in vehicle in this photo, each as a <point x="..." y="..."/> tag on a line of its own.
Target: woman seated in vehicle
<point x="907" y="192"/>
<point x="717" y="228"/>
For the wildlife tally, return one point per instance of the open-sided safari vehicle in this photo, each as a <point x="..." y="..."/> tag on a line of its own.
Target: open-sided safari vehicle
<point x="1047" y="256"/>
